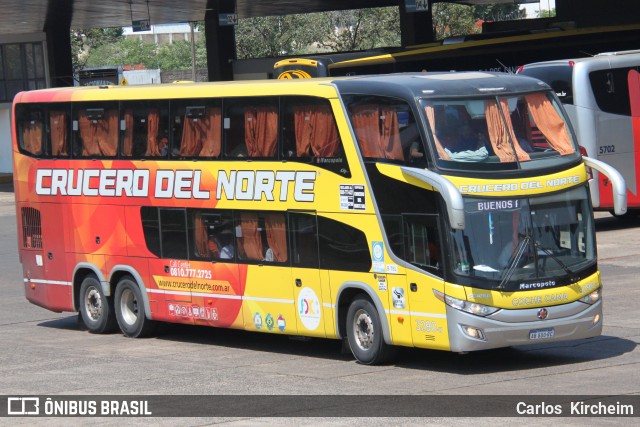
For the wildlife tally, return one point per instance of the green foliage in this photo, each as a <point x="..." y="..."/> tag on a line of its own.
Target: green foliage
<point x="276" y="35"/>
<point x="499" y="12"/>
<point x="545" y="13"/>
<point x="83" y="40"/>
<point x="453" y="20"/>
<point x="123" y="52"/>
<point x="360" y="29"/>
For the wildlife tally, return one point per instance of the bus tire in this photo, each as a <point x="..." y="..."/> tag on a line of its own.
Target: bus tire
<point x="130" y="310"/>
<point x="364" y="333"/>
<point x="96" y="309"/>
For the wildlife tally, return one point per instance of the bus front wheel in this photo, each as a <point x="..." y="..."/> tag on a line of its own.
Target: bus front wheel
<point x="96" y="309"/>
<point x="130" y="310"/>
<point x="364" y="333"/>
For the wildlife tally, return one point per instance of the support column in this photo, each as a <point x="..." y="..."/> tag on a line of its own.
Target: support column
<point x="220" y="40"/>
<point x="57" y="27"/>
<point x="416" y="28"/>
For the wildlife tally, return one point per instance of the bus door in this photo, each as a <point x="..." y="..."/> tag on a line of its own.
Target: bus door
<point x="307" y="279"/>
<point x="423" y="250"/>
<point x="268" y="303"/>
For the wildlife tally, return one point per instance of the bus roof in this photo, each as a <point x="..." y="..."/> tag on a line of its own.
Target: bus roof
<point x="405" y="84"/>
<point x="438" y="84"/>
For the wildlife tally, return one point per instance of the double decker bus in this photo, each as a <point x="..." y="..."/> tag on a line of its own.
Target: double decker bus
<point x="360" y="208"/>
<point x="601" y="95"/>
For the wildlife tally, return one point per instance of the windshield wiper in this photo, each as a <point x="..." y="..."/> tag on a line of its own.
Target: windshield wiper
<point x="516" y="258"/>
<point x="548" y="252"/>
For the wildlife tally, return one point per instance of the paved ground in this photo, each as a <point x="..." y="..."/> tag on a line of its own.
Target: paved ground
<point x="47" y="353"/>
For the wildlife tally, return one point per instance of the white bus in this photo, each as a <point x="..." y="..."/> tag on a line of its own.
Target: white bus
<point x="601" y="95"/>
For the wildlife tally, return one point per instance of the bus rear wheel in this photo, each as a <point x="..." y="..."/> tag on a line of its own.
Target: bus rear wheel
<point x="96" y="309"/>
<point x="364" y="333"/>
<point x="130" y="310"/>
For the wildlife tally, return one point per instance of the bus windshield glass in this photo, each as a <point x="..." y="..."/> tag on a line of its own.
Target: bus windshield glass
<point x="524" y="243"/>
<point x="500" y="132"/>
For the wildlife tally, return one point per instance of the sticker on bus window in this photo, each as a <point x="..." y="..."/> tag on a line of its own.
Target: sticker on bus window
<point x="352" y="197"/>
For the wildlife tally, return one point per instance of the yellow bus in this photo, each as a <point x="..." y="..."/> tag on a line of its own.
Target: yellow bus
<point x="359" y="208"/>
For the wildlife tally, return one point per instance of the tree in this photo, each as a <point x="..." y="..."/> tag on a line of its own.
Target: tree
<point x="123" y="52"/>
<point x="360" y="29"/>
<point x="545" y="13"/>
<point x="453" y="20"/>
<point x="83" y="40"/>
<point x="275" y="35"/>
<point x="499" y="12"/>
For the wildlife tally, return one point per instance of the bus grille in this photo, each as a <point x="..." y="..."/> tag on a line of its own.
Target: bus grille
<point x="31" y="228"/>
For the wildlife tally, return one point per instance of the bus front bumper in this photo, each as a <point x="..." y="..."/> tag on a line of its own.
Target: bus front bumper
<point x="468" y="332"/>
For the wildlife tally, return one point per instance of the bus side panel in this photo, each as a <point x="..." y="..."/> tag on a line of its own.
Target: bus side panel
<point x="400" y="306"/>
<point x="428" y="314"/>
<point x="97" y="229"/>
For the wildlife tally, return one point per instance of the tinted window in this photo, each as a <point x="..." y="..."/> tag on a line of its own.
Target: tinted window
<point x="386" y="129"/>
<point x="95" y="130"/>
<point x="262" y="237"/>
<point x="611" y="90"/>
<point x="196" y="128"/>
<point x="251" y="127"/>
<point x="213" y="235"/>
<point x="342" y="247"/>
<point x="151" y="228"/>
<point x="31" y="129"/>
<point x="309" y="134"/>
<point x="146" y="129"/>
<point x="174" y="234"/>
<point x="304" y="240"/>
<point x="559" y="77"/>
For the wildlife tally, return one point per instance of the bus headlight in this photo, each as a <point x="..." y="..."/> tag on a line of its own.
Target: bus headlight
<point x="466" y="306"/>
<point x="593" y="297"/>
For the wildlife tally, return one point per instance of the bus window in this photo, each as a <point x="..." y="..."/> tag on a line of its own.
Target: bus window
<point x="251" y="127"/>
<point x="31" y="130"/>
<point x="342" y="247"/>
<point x="386" y="129"/>
<point x="309" y="134"/>
<point x="213" y="235"/>
<point x="611" y="89"/>
<point x="422" y="242"/>
<point x="151" y="229"/>
<point x="95" y="128"/>
<point x="58" y="130"/>
<point x="502" y="132"/>
<point x="304" y="240"/>
<point x="262" y="237"/>
<point x="173" y="230"/>
<point x="146" y="129"/>
<point x="196" y="128"/>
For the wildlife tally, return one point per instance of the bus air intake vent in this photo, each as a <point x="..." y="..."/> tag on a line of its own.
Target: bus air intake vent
<point x="31" y="228"/>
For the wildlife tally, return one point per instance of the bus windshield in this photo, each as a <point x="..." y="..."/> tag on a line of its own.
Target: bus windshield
<point x="503" y="132"/>
<point x="525" y="243"/>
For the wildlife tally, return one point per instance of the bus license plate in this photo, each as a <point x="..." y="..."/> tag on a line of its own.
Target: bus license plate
<point x="541" y="334"/>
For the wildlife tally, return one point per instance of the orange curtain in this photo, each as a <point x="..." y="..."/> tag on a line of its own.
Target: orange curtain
<point x="501" y="135"/>
<point x="365" y="120"/>
<point x="251" y="242"/>
<point x="153" y="127"/>
<point x="32" y="136"/>
<point x="276" y="235"/>
<point x="261" y="130"/>
<point x="128" y="133"/>
<point x="377" y="131"/>
<point x="201" y="237"/>
<point x="58" y="124"/>
<point x="99" y="137"/>
<point x="431" y="116"/>
<point x="211" y="129"/>
<point x="550" y="123"/>
<point x="390" y="134"/>
<point x="191" y="143"/>
<point x="316" y="131"/>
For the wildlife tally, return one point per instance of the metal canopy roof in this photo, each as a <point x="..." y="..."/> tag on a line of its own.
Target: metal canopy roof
<point x="28" y="16"/>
